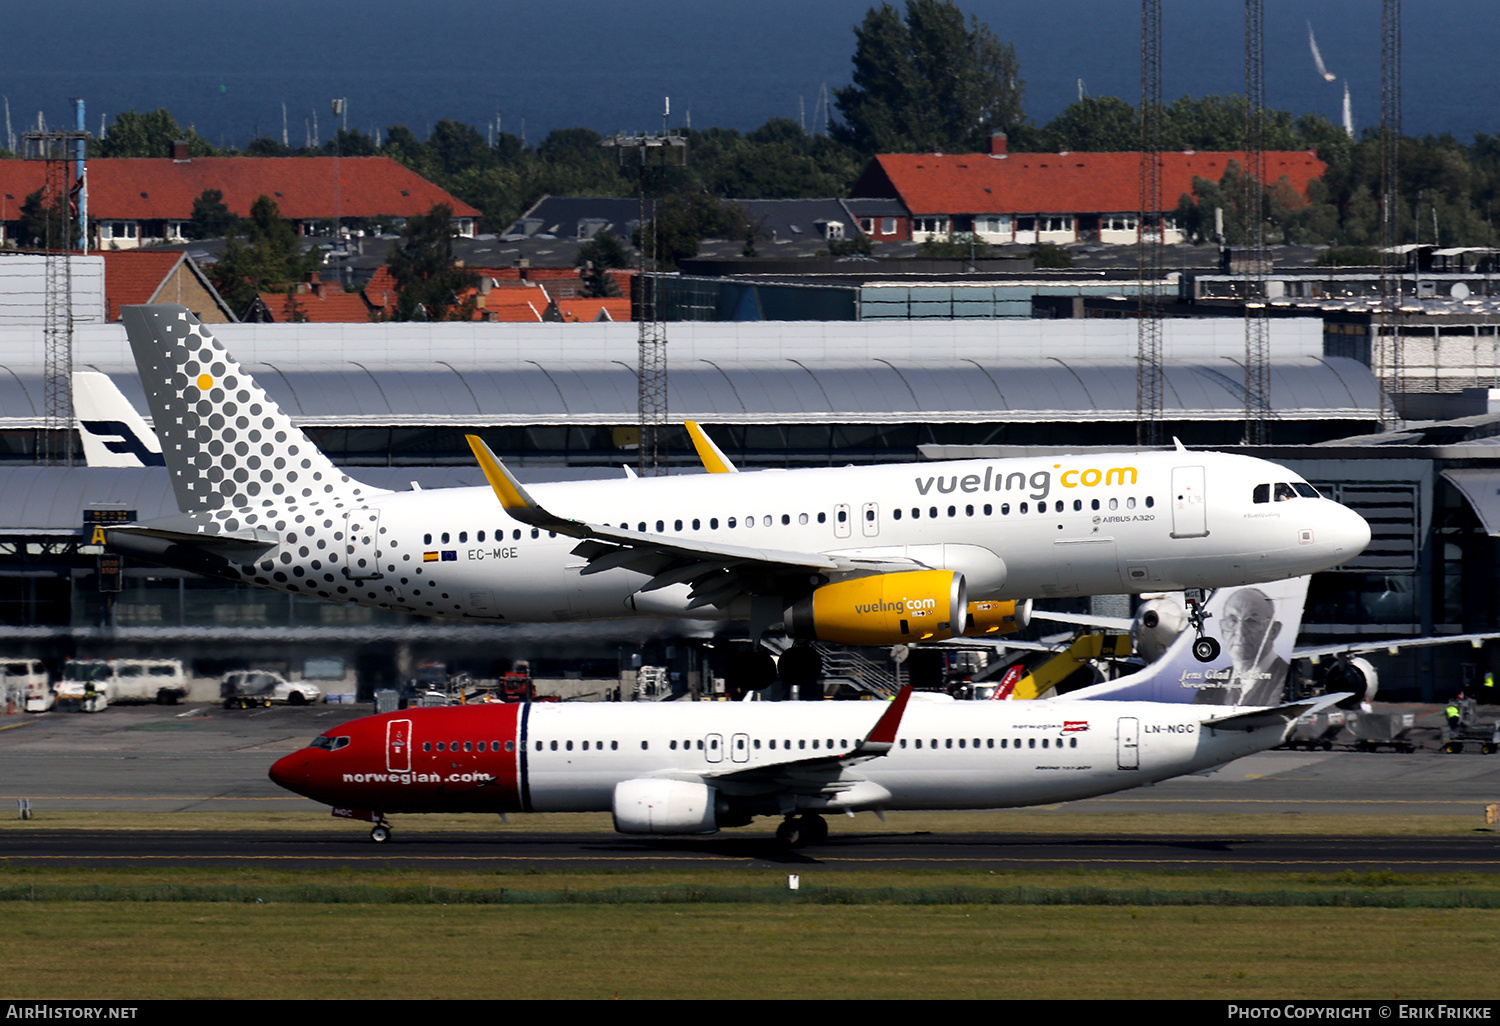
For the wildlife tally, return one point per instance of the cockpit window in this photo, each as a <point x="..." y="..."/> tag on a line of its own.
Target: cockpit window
<point x="1306" y="490"/>
<point x="330" y="744"/>
<point x="1262" y="493"/>
<point x="1284" y="492"/>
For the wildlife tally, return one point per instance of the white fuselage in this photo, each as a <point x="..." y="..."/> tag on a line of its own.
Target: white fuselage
<point x="947" y="755"/>
<point x="1017" y="528"/>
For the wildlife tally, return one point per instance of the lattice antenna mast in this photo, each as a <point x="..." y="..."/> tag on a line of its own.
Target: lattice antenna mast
<point x="1257" y="321"/>
<point x="1149" y="385"/>
<point x="1387" y="342"/>
<point x="647" y="152"/>
<point x="63" y="154"/>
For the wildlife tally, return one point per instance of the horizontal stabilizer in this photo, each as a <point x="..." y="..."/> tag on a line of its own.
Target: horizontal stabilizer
<point x="1277" y="715"/>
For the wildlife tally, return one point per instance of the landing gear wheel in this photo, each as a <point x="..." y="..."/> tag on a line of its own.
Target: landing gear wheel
<point x="749" y="671"/>
<point x="789" y="833"/>
<point x="381" y="833"/>
<point x="814" y="830"/>
<point x="1206" y="650"/>
<point x="801" y="666"/>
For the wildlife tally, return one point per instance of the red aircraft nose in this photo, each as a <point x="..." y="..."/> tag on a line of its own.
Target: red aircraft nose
<point x="291" y="772"/>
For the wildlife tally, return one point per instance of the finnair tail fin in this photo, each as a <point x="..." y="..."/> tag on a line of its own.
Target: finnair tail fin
<point x="113" y="433"/>
<point x="1256" y="626"/>
<point x="225" y="441"/>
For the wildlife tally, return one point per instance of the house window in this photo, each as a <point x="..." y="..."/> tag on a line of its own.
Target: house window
<point x="930" y="226"/>
<point x="888" y="226"/>
<point x="992" y="224"/>
<point x="119" y="229"/>
<point x="867" y="225"/>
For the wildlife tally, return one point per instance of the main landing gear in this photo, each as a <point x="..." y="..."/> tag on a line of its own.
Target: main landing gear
<point x="800" y="831"/>
<point x="1205" y="649"/>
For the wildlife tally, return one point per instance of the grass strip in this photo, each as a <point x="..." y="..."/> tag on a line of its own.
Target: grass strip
<point x="689" y="894"/>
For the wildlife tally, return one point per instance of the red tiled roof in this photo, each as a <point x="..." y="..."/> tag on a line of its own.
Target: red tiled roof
<point x="589" y="309"/>
<point x="335" y="306"/>
<point x="133" y="277"/>
<point x="143" y="189"/>
<point x="1057" y="183"/>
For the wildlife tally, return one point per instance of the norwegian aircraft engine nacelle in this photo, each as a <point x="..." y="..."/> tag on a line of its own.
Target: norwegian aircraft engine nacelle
<point x="1356" y="674"/>
<point x="987" y="619"/>
<point x="650" y="806"/>
<point x="883" y="609"/>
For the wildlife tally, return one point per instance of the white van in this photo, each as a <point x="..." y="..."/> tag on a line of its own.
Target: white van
<point x="27" y="683"/>
<point x="126" y="680"/>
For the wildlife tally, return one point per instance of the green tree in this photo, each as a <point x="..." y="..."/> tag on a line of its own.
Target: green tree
<point x="211" y="218"/>
<point x="149" y="135"/>
<point x="597" y="257"/>
<point x="683" y="220"/>
<point x="1096" y="124"/>
<point x="428" y="282"/>
<point x="262" y="255"/>
<point x="42" y="223"/>
<point x="927" y="82"/>
<point x="959" y="246"/>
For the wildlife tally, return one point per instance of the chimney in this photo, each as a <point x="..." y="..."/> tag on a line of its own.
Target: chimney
<point x="180" y="150"/>
<point x="314" y="284"/>
<point x="998" y="143"/>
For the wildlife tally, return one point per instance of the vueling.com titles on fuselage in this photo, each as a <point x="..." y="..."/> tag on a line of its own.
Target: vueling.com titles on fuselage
<point x="1040" y="481"/>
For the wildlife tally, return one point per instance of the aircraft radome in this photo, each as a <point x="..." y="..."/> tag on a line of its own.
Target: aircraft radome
<point x="858" y="555"/>
<point x="695" y="767"/>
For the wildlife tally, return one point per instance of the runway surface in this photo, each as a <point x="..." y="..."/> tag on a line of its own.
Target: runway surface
<point x="171" y="760"/>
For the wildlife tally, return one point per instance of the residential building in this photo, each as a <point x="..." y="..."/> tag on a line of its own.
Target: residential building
<point x="145" y="200"/>
<point x="1031" y="198"/>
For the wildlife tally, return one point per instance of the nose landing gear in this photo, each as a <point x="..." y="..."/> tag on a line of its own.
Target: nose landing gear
<point x="1205" y="649"/>
<point x="381" y="832"/>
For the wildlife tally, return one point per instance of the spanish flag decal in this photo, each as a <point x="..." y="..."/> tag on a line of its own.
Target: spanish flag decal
<point x="429" y="557"/>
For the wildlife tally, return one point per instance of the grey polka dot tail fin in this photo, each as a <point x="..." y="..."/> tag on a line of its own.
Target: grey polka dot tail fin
<point x="226" y="442"/>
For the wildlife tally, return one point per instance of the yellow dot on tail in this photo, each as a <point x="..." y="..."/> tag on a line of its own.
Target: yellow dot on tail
<point x="205" y="382"/>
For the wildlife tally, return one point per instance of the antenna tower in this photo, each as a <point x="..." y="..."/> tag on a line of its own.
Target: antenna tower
<point x="1148" y="382"/>
<point x="63" y="154"/>
<point x="1387" y="341"/>
<point x="1257" y="322"/>
<point x="650" y="153"/>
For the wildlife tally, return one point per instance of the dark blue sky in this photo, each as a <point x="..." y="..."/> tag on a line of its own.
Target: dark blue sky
<point x="604" y="64"/>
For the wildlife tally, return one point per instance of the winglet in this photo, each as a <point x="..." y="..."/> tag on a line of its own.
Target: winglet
<point x="514" y="498"/>
<point x="714" y="460"/>
<point x="883" y="738"/>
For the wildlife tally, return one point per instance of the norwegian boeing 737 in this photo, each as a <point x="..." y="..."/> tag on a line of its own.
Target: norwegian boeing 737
<point x="695" y="767"/>
<point x="860" y="555"/>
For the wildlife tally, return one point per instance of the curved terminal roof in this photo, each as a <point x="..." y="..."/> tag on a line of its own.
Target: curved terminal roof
<point x="771" y="391"/>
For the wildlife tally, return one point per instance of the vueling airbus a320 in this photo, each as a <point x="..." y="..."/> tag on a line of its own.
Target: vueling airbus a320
<point x="859" y="555"/>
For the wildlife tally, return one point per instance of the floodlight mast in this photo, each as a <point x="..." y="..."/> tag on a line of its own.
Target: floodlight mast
<point x="645" y="152"/>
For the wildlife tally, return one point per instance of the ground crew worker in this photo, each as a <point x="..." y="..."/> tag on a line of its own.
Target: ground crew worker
<point x="1452" y="714"/>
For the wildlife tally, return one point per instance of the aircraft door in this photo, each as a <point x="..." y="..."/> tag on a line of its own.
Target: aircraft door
<point x="398" y="746"/>
<point x="1189" y="506"/>
<point x="713" y="748"/>
<point x="739" y="748"/>
<point x="841" y="525"/>
<point x="1128" y="741"/>
<point x="362" y="544"/>
<point x="869" y="519"/>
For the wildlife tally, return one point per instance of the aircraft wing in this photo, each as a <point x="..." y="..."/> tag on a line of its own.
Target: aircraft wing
<point x="820" y="774"/>
<point x="716" y="572"/>
<point x="1113" y="623"/>
<point x="1316" y="652"/>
